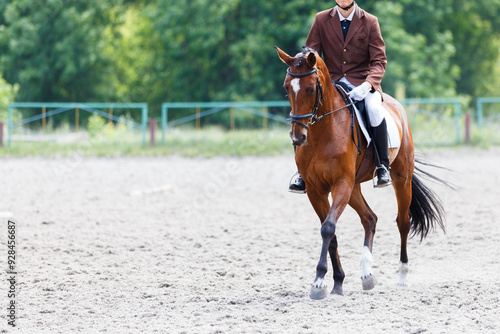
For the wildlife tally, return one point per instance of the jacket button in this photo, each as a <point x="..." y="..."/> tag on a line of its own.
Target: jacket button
<point x="344" y="62"/>
<point x="345" y="74"/>
<point x="345" y="50"/>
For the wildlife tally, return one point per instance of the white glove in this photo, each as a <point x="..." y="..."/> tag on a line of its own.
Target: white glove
<point x="360" y="92"/>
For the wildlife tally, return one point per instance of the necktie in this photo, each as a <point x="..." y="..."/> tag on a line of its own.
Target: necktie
<point x="345" y="26"/>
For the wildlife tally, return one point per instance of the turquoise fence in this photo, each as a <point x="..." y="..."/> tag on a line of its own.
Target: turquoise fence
<point x="257" y="108"/>
<point x="260" y="109"/>
<point x="435" y="121"/>
<point x="94" y="108"/>
<point x="445" y="127"/>
<point x="488" y="119"/>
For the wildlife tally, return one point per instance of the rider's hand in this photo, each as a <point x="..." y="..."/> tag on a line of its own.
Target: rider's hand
<point x="360" y="92"/>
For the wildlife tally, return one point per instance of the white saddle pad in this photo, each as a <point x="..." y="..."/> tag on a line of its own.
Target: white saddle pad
<point x="392" y="129"/>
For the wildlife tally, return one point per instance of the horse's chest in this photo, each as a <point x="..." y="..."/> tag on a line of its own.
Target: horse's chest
<point x="319" y="173"/>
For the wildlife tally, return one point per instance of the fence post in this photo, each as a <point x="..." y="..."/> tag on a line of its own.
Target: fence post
<point x="479" y="115"/>
<point x="457" y="122"/>
<point x="110" y="116"/>
<point x="164" y="112"/>
<point x="467" y="128"/>
<point x="264" y="119"/>
<point x="9" y="126"/>
<point x="152" y="130"/>
<point x="197" y="118"/>
<point x="44" y="122"/>
<point x="231" y="116"/>
<point x="144" y="124"/>
<point x="77" y="119"/>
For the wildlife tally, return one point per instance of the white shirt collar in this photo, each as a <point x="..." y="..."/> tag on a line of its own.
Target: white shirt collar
<point x="341" y="18"/>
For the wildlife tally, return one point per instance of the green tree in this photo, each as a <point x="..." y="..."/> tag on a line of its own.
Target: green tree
<point x="54" y="49"/>
<point x="457" y="45"/>
<point x="476" y="34"/>
<point x="7" y="95"/>
<point x="418" y="52"/>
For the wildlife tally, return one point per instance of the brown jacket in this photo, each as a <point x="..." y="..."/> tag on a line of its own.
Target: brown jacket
<point x="361" y="57"/>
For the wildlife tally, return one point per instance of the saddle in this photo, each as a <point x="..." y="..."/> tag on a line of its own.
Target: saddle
<point x="344" y="89"/>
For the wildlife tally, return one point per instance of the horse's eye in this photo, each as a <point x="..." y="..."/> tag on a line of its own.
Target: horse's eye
<point x="285" y="87"/>
<point x="311" y="90"/>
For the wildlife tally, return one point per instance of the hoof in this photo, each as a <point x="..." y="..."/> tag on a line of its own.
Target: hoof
<point x="368" y="282"/>
<point x="337" y="288"/>
<point x="318" y="290"/>
<point x="318" y="293"/>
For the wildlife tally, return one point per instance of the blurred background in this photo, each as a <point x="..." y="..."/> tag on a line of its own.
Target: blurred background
<point x="163" y="51"/>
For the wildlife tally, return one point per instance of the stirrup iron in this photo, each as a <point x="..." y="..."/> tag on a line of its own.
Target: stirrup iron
<point x="375" y="177"/>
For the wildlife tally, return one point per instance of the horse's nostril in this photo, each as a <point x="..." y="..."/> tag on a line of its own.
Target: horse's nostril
<point x="303" y="138"/>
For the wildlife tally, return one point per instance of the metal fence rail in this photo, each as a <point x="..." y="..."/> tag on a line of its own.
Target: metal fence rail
<point x="454" y="124"/>
<point x="215" y="107"/>
<point x="250" y="107"/>
<point x="479" y="108"/>
<point x="441" y="101"/>
<point x="88" y="107"/>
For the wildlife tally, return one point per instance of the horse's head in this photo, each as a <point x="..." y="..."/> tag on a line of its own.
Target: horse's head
<point x="304" y="89"/>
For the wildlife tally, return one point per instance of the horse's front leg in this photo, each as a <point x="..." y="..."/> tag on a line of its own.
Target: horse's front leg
<point x="340" y="197"/>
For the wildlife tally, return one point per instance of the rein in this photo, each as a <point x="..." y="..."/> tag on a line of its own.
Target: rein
<point x="313" y="116"/>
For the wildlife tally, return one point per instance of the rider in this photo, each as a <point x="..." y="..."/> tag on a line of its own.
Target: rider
<point x="354" y="52"/>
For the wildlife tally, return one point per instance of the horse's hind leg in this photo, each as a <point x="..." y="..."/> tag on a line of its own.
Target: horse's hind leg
<point x="338" y="272"/>
<point x="369" y="221"/>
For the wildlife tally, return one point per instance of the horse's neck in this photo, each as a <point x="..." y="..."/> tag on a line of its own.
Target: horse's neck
<point x="334" y="126"/>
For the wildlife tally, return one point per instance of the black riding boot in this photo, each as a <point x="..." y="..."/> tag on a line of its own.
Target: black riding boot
<point x="382" y="145"/>
<point x="297" y="185"/>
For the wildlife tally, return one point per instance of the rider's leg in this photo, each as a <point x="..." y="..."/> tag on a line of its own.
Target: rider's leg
<point x="375" y="112"/>
<point x="297" y="185"/>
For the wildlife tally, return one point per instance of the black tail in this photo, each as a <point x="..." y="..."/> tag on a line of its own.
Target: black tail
<point x="426" y="209"/>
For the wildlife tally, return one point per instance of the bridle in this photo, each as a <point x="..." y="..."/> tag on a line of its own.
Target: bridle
<point x="313" y="116"/>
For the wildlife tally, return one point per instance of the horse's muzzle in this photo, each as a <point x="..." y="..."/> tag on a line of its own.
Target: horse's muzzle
<point x="298" y="141"/>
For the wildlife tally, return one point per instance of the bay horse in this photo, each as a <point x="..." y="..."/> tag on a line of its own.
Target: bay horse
<point x="324" y="134"/>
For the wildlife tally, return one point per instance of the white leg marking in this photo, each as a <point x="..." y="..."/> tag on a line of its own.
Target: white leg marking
<point x="319" y="283"/>
<point x="404" y="268"/>
<point x="367" y="280"/>
<point x="366" y="263"/>
<point x="296" y="86"/>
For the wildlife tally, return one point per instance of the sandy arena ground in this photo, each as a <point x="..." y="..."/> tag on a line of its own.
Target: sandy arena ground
<point x="176" y="245"/>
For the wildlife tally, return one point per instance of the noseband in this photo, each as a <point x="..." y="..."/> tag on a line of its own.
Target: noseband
<point x="319" y="97"/>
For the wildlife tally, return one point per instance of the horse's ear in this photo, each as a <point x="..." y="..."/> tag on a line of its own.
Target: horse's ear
<point x="311" y="59"/>
<point x="284" y="56"/>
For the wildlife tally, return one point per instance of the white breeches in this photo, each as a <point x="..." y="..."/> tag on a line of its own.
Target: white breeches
<point x="373" y="103"/>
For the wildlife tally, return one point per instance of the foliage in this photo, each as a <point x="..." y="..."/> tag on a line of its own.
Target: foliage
<point x="7" y="95"/>
<point x="95" y="125"/>
<point x="199" y="50"/>
<point x="54" y="49"/>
